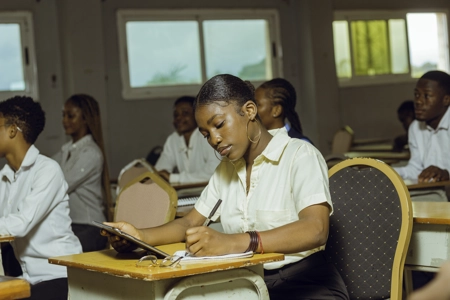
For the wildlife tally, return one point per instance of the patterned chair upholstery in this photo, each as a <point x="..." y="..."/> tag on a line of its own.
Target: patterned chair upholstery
<point x="370" y="228"/>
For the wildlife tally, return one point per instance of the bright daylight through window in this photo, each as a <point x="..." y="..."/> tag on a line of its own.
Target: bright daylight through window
<point x="389" y="46"/>
<point x="166" y="53"/>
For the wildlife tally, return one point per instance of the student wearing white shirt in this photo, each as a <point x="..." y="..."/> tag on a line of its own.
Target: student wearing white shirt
<point x="429" y="134"/>
<point x="275" y="198"/>
<point x="34" y="201"/>
<point x="84" y="165"/>
<point x="186" y="156"/>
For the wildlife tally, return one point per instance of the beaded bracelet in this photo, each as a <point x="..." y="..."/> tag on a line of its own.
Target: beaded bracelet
<point x="254" y="241"/>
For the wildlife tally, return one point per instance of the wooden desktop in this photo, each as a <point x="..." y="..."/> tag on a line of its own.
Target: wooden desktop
<point x="110" y="275"/>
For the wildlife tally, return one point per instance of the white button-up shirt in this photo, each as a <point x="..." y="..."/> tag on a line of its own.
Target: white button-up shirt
<point x="83" y="172"/>
<point x="35" y="209"/>
<point x="195" y="162"/>
<point x="288" y="176"/>
<point x="428" y="147"/>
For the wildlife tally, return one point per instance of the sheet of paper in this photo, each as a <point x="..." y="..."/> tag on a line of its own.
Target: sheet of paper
<point x="186" y="256"/>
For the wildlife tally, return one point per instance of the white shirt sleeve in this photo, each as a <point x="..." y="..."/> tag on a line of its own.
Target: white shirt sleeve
<point x="42" y="198"/>
<point x="167" y="161"/>
<point x="414" y="167"/>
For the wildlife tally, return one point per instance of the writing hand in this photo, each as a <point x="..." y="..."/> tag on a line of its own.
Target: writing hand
<point x="433" y="174"/>
<point x="204" y="241"/>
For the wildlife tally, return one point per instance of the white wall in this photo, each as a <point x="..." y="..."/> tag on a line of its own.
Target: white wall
<point x="77" y="43"/>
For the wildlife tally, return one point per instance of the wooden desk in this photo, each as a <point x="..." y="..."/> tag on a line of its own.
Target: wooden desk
<point x="14" y="288"/>
<point x="371" y="141"/>
<point x="430" y="239"/>
<point x="428" y="185"/>
<point x="372" y="148"/>
<point x="181" y="186"/>
<point x="405" y="155"/>
<point x="109" y="275"/>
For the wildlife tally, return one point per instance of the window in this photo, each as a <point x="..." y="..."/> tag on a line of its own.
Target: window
<point x="172" y="53"/>
<point x="17" y="60"/>
<point x="382" y="47"/>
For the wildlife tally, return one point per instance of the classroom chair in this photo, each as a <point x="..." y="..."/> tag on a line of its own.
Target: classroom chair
<point x="131" y="171"/>
<point x="147" y="201"/>
<point x="370" y="228"/>
<point x="342" y="140"/>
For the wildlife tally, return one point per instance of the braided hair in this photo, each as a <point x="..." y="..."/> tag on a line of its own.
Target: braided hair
<point x="280" y="91"/>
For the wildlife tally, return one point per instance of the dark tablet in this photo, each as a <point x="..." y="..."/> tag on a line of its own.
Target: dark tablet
<point x="152" y="250"/>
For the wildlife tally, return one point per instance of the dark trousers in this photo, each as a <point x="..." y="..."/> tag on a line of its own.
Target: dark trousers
<point x="311" y="278"/>
<point x="56" y="289"/>
<point x="89" y="237"/>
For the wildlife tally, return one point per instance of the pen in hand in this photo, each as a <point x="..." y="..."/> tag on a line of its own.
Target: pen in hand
<point x="213" y="211"/>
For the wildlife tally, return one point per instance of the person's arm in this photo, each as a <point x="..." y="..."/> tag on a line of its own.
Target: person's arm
<point x="437" y="289"/>
<point x="172" y="232"/>
<point x="309" y="232"/>
<point x="87" y="164"/>
<point x="48" y="189"/>
<point x="166" y="161"/>
<point x="415" y="165"/>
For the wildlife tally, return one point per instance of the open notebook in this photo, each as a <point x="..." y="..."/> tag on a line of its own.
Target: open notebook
<point x="186" y="201"/>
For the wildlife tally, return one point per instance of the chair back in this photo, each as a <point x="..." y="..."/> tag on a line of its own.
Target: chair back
<point x="370" y="228"/>
<point x="131" y="171"/>
<point x="342" y="140"/>
<point x="147" y="201"/>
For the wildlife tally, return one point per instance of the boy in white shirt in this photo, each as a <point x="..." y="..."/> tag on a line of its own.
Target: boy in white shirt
<point x="34" y="202"/>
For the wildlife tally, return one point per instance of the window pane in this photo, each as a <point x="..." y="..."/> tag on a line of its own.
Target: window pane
<point x="370" y="47"/>
<point x="11" y="77"/>
<point x="428" y="48"/>
<point x="237" y="47"/>
<point x="398" y="46"/>
<point x="163" y="53"/>
<point x="342" y="49"/>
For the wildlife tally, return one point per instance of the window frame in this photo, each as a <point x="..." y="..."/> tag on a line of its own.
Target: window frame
<point x="199" y="15"/>
<point x="349" y="16"/>
<point x="28" y="53"/>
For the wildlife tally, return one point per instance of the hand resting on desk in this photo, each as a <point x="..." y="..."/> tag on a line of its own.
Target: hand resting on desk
<point x="433" y="174"/>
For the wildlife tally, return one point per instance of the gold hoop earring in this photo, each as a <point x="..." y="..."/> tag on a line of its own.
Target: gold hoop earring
<point x="258" y="136"/>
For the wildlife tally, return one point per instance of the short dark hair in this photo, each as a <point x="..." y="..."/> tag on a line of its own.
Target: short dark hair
<point x="441" y="77"/>
<point x="185" y="99"/>
<point x="227" y="88"/>
<point x="407" y="107"/>
<point x="26" y="114"/>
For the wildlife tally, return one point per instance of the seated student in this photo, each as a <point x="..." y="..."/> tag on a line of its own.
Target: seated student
<point x="85" y="169"/>
<point x="429" y="134"/>
<point x="276" y="101"/>
<point x="437" y="289"/>
<point x="406" y="115"/>
<point x="34" y="202"/>
<point x="186" y="156"/>
<point x="275" y="198"/>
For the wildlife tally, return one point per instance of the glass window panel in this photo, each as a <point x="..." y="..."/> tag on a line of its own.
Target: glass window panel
<point x="237" y="47"/>
<point x="398" y="46"/>
<point x="12" y="77"/>
<point x="162" y="53"/>
<point x="342" y="49"/>
<point x="370" y="47"/>
<point x="423" y="42"/>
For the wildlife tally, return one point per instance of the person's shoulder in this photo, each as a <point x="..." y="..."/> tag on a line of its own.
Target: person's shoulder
<point x="47" y="165"/>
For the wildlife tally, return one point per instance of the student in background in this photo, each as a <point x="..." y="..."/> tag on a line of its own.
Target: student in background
<point x="186" y="156"/>
<point x="429" y="134"/>
<point x="276" y="101"/>
<point x="275" y="198"/>
<point x="85" y="169"/>
<point x="33" y="200"/>
<point x="406" y="115"/>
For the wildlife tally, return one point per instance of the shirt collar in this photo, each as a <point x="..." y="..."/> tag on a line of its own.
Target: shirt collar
<point x="445" y="121"/>
<point x="28" y="161"/>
